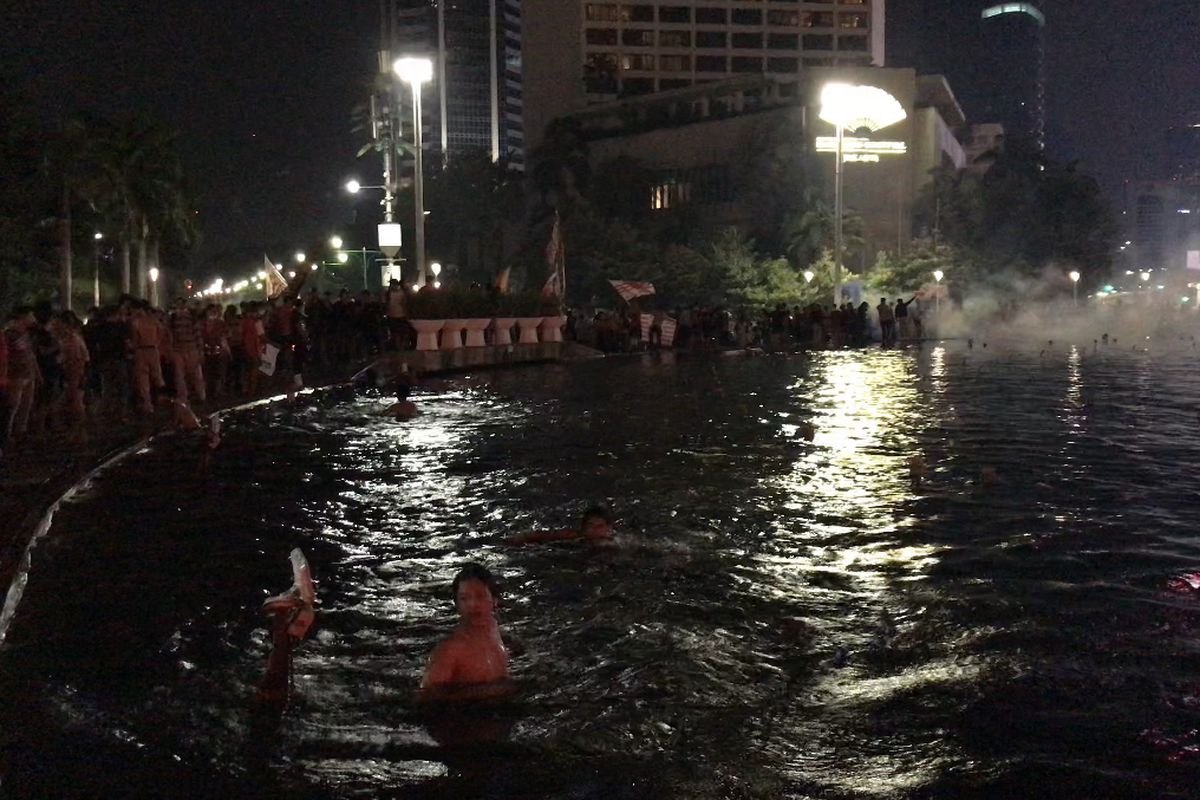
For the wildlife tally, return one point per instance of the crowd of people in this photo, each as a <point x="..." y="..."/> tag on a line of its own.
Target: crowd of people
<point x="130" y="359"/>
<point x="813" y="327"/>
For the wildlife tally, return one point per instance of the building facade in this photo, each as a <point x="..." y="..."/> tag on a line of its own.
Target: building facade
<point x="658" y="45"/>
<point x="700" y="144"/>
<point x="585" y="52"/>
<point x="475" y="100"/>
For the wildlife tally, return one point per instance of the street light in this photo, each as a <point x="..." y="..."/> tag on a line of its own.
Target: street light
<point x="855" y="107"/>
<point x="436" y="269"/>
<point x="354" y="187"/>
<point x="416" y="72"/>
<point x="299" y="256"/>
<point x="937" y="297"/>
<point x="1074" y="276"/>
<point x="809" y="275"/>
<point x="343" y="257"/>
<point x="96" y="237"/>
<point x="336" y="242"/>
<point x="154" y="286"/>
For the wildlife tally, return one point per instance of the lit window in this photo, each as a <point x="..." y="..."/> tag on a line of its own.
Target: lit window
<point x="852" y="20"/>
<point x="675" y="63"/>
<point x="601" y="12"/>
<point x="674" y="39"/>
<point x="637" y="62"/>
<point x="787" y="19"/>
<point x="816" y="19"/>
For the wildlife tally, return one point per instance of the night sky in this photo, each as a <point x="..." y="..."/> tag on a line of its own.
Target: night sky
<point x="263" y="91"/>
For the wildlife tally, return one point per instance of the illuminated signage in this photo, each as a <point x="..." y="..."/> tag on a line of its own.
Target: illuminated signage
<point x="859" y="150"/>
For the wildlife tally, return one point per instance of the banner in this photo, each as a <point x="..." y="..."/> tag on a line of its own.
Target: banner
<point x="275" y="283"/>
<point x="266" y="364"/>
<point x="556" y="259"/>
<point x="668" y="332"/>
<point x="631" y="290"/>
<point x="647" y="321"/>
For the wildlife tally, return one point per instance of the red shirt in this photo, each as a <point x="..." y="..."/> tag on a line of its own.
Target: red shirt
<point x="251" y="340"/>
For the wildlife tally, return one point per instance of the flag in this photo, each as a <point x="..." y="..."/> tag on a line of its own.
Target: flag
<point x="630" y="290"/>
<point x="556" y="259"/>
<point x="668" y="332"/>
<point x="647" y="321"/>
<point x="276" y="284"/>
<point x="501" y="283"/>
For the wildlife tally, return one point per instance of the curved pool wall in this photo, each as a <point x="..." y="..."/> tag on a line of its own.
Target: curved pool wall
<point x="779" y="617"/>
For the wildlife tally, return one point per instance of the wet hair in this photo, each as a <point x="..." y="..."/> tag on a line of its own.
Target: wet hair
<point x="595" y="512"/>
<point x="475" y="572"/>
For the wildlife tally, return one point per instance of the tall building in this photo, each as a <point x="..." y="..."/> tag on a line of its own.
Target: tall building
<point x="627" y="48"/>
<point x="475" y="101"/>
<point x="658" y="45"/>
<point x="1009" y="76"/>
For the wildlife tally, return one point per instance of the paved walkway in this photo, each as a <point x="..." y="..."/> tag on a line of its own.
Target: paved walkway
<point x="36" y="473"/>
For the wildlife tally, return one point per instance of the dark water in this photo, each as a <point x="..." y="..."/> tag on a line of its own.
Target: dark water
<point x="779" y="619"/>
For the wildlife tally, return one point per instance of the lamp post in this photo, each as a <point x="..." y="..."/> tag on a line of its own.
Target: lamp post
<point x="1074" y="276"/>
<point x="96" y="237"/>
<point x="154" y="286"/>
<point x="417" y="72"/>
<point x="937" y="297"/>
<point x="849" y="106"/>
<point x="436" y="269"/>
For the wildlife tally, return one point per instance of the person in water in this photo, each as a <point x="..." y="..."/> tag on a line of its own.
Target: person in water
<point x="403" y="408"/>
<point x="472" y="663"/>
<point x="595" y="527"/>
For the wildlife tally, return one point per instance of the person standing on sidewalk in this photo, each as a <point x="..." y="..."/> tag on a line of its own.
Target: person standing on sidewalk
<point x="23" y="374"/>
<point x="147" y="371"/>
<point x="185" y="335"/>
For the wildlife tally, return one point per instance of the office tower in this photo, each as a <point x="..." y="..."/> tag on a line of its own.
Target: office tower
<point x="1010" y="84"/>
<point x="474" y="102"/>
<point x="659" y="45"/>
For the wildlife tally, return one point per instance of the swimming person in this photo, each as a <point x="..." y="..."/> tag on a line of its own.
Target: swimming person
<point x="596" y="526"/>
<point x="403" y="408"/>
<point x="472" y="663"/>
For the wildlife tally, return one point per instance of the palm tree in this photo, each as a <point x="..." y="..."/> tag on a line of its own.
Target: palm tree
<point x="810" y="233"/>
<point x="561" y="171"/>
<point x="136" y="182"/>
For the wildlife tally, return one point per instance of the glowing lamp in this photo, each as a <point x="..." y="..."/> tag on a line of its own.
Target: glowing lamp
<point x="299" y="256"/>
<point x="413" y="71"/>
<point x="154" y="274"/>
<point x="809" y="275"/>
<point x="343" y="257"/>
<point x="858" y="107"/>
<point x="353" y="186"/>
<point x="435" y="268"/>
<point x="335" y="242"/>
<point x="1073" y="275"/>
<point x="938" y="275"/>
